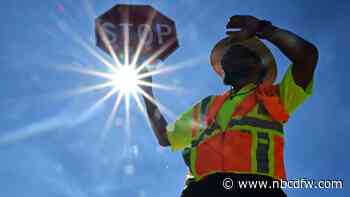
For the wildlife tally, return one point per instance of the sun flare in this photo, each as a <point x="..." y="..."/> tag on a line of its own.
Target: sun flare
<point x="126" y="79"/>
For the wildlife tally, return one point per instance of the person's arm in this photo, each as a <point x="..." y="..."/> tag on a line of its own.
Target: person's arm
<point x="156" y="118"/>
<point x="302" y="53"/>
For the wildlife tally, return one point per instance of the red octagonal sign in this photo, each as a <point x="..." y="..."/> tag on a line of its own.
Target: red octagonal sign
<point x="133" y="26"/>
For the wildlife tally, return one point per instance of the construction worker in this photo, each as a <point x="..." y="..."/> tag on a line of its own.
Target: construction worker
<point x="238" y="135"/>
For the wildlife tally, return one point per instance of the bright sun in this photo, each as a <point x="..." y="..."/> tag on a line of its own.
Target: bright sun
<point x="127" y="79"/>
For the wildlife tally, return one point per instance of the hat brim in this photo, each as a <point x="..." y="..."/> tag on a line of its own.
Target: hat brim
<point x="253" y="44"/>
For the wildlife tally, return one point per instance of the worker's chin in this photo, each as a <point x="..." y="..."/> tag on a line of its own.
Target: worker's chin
<point x="233" y="81"/>
<point x="233" y="84"/>
<point x="228" y="83"/>
<point x="237" y="83"/>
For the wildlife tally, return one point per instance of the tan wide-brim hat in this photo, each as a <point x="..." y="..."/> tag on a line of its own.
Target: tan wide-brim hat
<point x="253" y="44"/>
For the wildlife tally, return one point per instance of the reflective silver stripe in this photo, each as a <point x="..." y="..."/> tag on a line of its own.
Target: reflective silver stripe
<point x="186" y="155"/>
<point x="250" y="121"/>
<point x="207" y="132"/>
<point x="262" y="150"/>
<point x="261" y="109"/>
<point x="204" y="108"/>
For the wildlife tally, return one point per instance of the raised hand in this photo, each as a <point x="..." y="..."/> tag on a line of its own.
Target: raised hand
<point x="248" y="25"/>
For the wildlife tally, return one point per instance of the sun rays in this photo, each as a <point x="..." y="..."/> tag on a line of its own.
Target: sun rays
<point x="122" y="76"/>
<point x="126" y="74"/>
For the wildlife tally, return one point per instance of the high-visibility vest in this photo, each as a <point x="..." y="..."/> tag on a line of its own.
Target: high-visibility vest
<point x="251" y="143"/>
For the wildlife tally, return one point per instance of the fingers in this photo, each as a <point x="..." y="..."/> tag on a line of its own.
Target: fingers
<point x="239" y="21"/>
<point x="236" y="21"/>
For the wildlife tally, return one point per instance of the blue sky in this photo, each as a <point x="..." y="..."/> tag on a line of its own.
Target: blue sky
<point x="49" y="143"/>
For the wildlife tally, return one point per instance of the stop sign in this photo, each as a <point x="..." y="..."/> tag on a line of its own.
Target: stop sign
<point x="130" y="24"/>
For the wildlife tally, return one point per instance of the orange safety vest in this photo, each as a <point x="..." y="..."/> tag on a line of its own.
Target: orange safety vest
<point x="240" y="150"/>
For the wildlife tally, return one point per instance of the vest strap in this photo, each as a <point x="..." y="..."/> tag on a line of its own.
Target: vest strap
<point x="215" y="107"/>
<point x="195" y="120"/>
